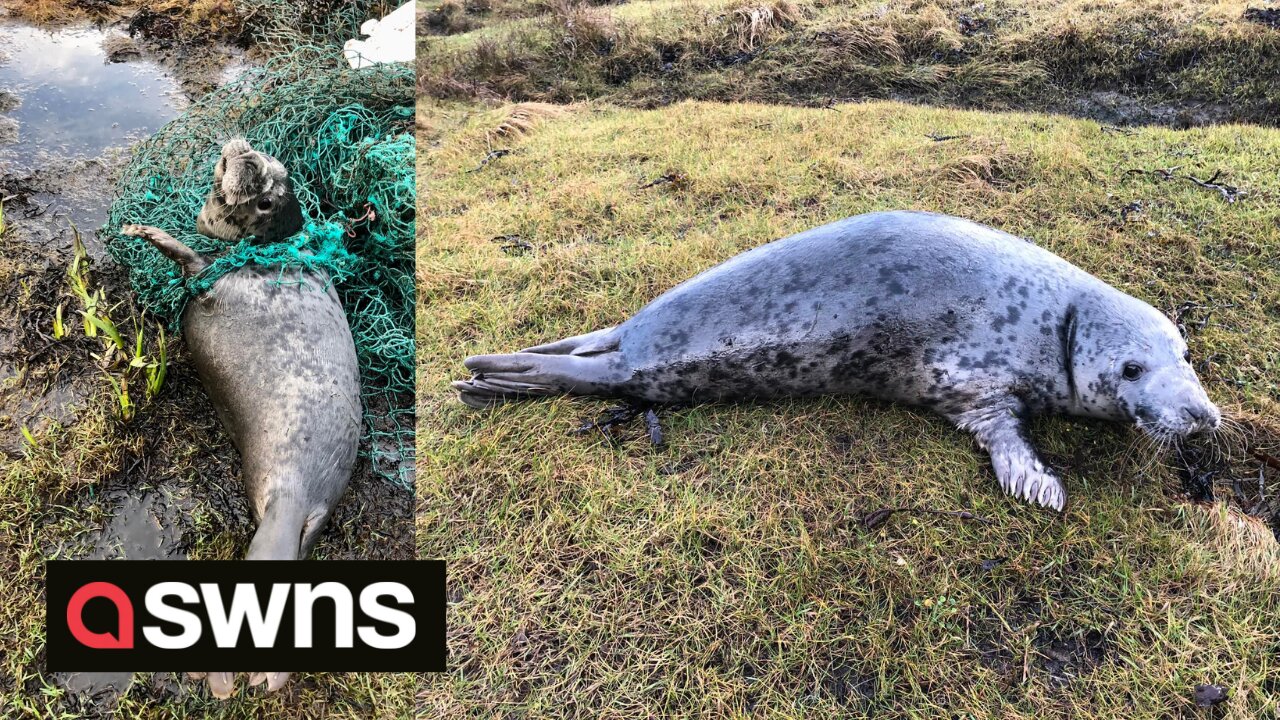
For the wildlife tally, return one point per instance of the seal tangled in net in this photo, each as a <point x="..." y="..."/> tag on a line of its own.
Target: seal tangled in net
<point x="346" y="136"/>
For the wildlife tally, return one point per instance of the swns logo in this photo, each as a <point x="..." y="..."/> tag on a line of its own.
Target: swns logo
<point x="304" y="616"/>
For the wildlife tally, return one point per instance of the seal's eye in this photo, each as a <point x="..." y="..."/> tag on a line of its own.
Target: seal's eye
<point x="264" y="204"/>
<point x="1132" y="371"/>
<point x="1187" y="356"/>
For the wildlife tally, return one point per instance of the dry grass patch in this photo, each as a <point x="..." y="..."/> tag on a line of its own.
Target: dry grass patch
<point x="1175" y="62"/>
<point x="521" y="118"/>
<point x="184" y="18"/>
<point x="754" y="25"/>
<point x="448" y="18"/>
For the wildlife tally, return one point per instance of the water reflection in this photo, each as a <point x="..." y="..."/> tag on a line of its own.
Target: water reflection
<point x="72" y="103"/>
<point x="67" y="116"/>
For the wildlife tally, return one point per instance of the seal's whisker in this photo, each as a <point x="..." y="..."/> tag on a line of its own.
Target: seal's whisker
<point x="1140" y="445"/>
<point x="1234" y="430"/>
<point x="1159" y="451"/>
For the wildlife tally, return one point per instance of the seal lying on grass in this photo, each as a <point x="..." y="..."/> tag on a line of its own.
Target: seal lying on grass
<point x="276" y="356"/>
<point x="975" y="324"/>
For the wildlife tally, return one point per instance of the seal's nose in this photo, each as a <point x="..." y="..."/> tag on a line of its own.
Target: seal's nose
<point x="1203" y="419"/>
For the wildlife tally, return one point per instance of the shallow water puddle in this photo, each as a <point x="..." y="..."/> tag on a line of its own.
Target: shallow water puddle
<point x="64" y="106"/>
<point x="144" y="526"/>
<point x="67" y="119"/>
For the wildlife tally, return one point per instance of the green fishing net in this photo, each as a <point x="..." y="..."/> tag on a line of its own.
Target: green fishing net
<point x="281" y="25"/>
<point x="346" y="137"/>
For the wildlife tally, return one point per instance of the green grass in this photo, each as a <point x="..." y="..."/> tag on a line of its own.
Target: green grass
<point x="729" y="573"/>
<point x="1177" y="62"/>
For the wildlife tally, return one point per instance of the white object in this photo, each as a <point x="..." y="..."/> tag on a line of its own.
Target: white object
<point x="387" y="40"/>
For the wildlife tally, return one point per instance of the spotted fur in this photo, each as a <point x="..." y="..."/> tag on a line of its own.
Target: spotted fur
<point x="975" y="324"/>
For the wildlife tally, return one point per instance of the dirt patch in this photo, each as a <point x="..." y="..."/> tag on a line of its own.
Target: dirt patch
<point x="46" y="202"/>
<point x="847" y="686"/>
<point x="142" y="526"/>
<point x="1112" y="107"/>
<point x="1240" y="465"/>
<point x="199" y="66"/>
<point x="997" y="640"/>
<point x="1066" y="658"/>
<point x="1264" y="16"/>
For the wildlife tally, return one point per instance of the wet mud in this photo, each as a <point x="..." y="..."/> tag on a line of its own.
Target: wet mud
<point x="140" y="527"/>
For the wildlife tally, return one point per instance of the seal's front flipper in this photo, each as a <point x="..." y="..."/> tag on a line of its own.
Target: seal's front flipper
<point x="1000" y="431"/>
<point x="189" y="260"/>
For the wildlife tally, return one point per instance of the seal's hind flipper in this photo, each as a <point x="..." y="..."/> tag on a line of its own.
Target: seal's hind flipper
<point x="496" y="378"/>
<point x="592" y="343"/>
<point x="482" y="393"/>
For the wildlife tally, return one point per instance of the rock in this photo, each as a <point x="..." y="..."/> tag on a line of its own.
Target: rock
<point x="120" y="48"/>
<point x="1210" y="695"/>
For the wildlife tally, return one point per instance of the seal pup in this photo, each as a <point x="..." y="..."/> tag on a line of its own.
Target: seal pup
<point x="978" y="325"/>
<point x="276" y="356"/>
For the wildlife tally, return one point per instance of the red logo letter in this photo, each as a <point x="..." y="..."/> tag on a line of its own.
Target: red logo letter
<point x="123" y="639"/>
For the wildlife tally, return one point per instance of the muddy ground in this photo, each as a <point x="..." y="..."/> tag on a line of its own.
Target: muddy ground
<point x="164" y="484"/>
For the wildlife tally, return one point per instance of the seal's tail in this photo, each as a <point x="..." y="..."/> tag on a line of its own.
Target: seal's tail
<point x="582" y="365"/>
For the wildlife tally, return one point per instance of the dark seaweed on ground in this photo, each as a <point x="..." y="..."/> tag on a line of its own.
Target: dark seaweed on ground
<point x="1264" y="16"/>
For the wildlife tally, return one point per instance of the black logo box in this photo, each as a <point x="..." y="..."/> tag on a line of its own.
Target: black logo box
<point x="424" y="578"/>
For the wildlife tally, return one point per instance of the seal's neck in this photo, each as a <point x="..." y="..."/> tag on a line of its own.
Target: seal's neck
<point x="1094" y="330"/>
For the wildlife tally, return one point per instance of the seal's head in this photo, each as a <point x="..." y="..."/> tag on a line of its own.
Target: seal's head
<point x="1130" y="362"/>
<point x="251" y="196"/>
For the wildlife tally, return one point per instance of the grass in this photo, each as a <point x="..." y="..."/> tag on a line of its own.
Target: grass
<point x="453" y="17"/>
<point x="121" y="362"/>
<point x="184" y="19"/>
<point x="1176" y="62"/>
<point x="730" y="573"/>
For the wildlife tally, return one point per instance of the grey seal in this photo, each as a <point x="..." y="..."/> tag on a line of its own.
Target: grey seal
<point x="275" y="354"/>
<point x="977" y="325"/>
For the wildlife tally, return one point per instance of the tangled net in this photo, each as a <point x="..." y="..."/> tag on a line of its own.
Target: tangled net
<point x="286" y="24"/>
<point x="346" y="138"/>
